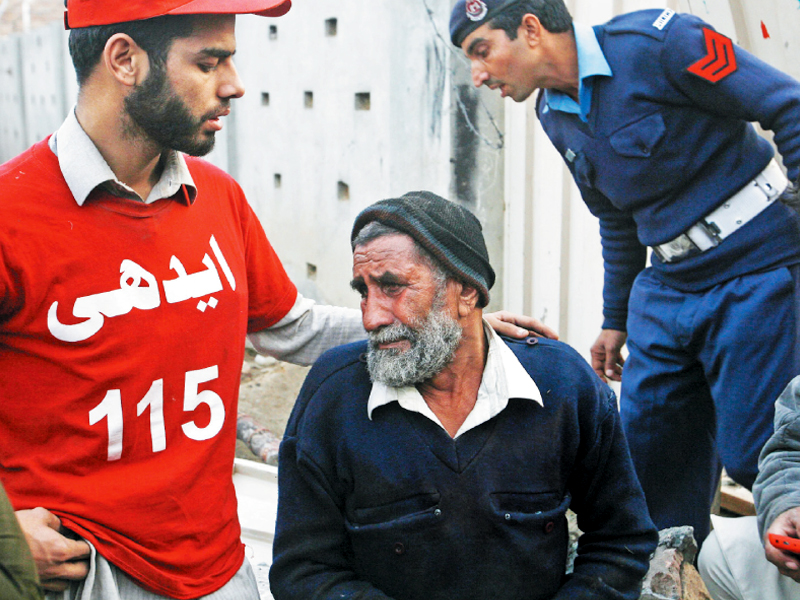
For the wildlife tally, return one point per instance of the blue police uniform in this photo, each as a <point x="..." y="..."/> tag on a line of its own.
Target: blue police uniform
<point x="661" y="139"/>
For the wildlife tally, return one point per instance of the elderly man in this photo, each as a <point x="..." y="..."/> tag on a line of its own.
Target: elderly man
<point x="438" y="460"/>
<point x="651" y="113"/>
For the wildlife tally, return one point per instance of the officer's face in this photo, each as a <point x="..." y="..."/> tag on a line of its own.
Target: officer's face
<point x="179" y="106"/>
<point x="501" y="63"/>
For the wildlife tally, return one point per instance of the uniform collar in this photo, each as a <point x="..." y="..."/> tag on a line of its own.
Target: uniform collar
<point x="591" y="63"/>
<point x="503" y="378"/>
<point x="85" y="169"/>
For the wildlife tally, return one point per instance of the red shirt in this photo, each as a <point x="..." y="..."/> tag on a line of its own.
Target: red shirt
<point x="122" y="331"/>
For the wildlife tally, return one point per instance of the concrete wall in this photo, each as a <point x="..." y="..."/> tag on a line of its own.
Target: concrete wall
<point x="343" y="108"/>
<point x="36" y="87"/>
<point x="21" y="16"/>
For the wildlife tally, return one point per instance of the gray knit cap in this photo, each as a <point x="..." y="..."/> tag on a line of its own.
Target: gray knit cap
<point x="449" y="232"/>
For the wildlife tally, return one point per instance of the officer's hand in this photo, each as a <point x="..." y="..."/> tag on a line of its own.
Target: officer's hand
<point x="791" y="196"/>
<point x="787" y="523"/>
<point x="59" y="559"/>
<point x="518" y="326"/>
<point x="606" y="354"/>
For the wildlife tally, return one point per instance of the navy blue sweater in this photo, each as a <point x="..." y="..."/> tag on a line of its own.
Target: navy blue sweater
<point x="395" y="508"/>
<point x="663" y="147"/>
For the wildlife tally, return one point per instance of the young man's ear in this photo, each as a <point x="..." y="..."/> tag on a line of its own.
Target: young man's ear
<point x="125" y="60"/>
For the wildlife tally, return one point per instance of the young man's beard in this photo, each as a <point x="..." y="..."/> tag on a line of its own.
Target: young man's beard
<point x="155" y="109"/>
<point x="434" y="340"/>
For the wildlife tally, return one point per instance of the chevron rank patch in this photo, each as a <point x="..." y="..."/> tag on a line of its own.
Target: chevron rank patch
<point x="720" y="58"/>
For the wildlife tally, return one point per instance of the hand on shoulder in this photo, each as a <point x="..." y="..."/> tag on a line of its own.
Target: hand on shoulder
<point x="518" y="326"/>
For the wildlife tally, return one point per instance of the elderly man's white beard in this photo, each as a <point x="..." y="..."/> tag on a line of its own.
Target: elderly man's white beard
<point x="433" y="340"/>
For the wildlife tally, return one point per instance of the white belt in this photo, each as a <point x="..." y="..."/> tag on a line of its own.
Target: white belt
<point x="721" y="222"/>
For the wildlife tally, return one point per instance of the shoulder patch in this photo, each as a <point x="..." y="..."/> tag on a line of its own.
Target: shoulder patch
<point x="650" y="23"/>
<point x="665" y="18"/>
<point x="720" y="58"/>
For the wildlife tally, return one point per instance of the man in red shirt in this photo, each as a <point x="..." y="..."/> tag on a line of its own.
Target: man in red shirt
<point x="129" y="276"/>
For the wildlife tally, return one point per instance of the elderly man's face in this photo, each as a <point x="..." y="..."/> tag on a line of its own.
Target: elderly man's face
<point x="408" y="313"/>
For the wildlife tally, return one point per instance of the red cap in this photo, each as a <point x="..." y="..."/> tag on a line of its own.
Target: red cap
<point x="86" y="13"/>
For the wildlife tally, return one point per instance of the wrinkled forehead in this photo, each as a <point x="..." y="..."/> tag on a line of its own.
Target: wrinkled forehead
<point x="394" y="250"/>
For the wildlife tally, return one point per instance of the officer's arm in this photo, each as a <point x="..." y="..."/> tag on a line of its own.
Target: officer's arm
<point x="607" y="360"/>
<point x="623" y="259"/>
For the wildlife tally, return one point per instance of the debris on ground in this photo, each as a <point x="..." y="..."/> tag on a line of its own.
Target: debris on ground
<point x="261" y="442"/>
<point x="672" y="575"/>
<point x="266" y="395"/>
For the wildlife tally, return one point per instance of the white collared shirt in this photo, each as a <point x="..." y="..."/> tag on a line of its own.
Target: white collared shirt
<point x="84" y="168"/>
<point x="503" y="378"/>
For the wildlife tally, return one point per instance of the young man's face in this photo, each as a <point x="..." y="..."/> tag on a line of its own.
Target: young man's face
<point x="501" y="63"/>
<point x="180" y="108"/>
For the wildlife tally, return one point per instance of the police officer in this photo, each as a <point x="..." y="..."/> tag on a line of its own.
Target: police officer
<point x="651" y="113"/>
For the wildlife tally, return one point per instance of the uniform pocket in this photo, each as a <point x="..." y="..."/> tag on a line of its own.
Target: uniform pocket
<point x="639" y="139"/>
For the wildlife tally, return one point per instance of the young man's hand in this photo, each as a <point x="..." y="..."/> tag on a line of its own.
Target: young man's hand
<point x="59" y="559"/>
<point x="518" y="326"/>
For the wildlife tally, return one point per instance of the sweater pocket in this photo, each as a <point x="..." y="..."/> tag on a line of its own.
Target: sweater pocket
<point x="531" y="539"/>
<point x="399" y="511"/>
<point x="463" y="545"/>
<point x="396" y="546"/>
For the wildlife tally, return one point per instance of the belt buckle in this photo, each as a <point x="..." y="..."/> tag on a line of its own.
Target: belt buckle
<point x="675" y="249"/>
<point x="710" y="230"/>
